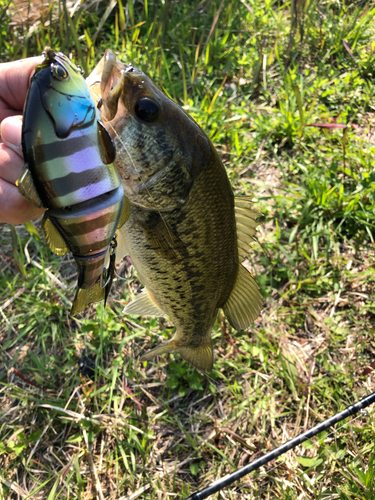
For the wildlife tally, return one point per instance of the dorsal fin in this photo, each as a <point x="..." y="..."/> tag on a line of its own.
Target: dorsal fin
<point x="143" y="305"/>
<point x="245" y="301"/>
<point x="246" y="223"/>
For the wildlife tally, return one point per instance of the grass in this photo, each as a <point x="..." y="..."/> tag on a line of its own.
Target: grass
<point x="80" y="416"/>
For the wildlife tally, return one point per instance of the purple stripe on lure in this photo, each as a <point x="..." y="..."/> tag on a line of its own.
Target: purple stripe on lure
<point x="85" y="193"/>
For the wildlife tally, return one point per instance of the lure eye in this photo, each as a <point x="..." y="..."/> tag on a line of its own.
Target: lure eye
<point x="146" y="109"/>
<point x="59" y="72"/>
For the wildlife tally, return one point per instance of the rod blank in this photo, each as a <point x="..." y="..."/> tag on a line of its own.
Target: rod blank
<point x="275" y="453"/>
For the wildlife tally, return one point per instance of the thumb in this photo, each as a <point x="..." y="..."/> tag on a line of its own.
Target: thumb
<point x="11" y="133"/>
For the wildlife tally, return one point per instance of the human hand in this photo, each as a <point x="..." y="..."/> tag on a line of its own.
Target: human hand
<point x="14" y="84"/>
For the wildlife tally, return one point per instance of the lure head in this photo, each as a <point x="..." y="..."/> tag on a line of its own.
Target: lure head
<point x="64" y="93"/>
<point x="67" y="150"/>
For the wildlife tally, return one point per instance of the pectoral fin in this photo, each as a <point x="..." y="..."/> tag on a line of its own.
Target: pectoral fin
<point x="201" y="357"/>
<point x="245" y="301"/>
<point x="125" y="212"/>
<point x="246" y="223"/>
<point x="143" y="305"/>
<point x="27" y="188"/>
<point x="54" y="239"/>
<point x="108" y="146"/>
<point x="121" y="249"/>
<point x="164" y="241"/>
<point x="84" y="297"/>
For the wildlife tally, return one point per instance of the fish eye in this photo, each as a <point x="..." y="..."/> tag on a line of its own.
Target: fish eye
<point x="146" y="109"/>
<point x="59" y="72"/>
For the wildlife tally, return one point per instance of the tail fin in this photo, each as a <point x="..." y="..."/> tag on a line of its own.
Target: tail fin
<point x="84" y="297"/>
<point x="201" y="357"/>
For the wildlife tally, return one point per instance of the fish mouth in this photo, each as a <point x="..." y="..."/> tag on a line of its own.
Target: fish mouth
<point x="107" y="81"/>
<point x="108" y="71"/>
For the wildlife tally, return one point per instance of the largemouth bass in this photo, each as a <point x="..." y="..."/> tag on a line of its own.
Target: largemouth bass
<point x="69" y="170"/>
<point x="187" y="234"/>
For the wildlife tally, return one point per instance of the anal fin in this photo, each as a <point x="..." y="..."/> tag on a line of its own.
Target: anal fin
<point x="143" y="305"/>
<point x="245" y="301"/>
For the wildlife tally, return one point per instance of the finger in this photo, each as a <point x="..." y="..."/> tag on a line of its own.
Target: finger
<point x="14" y="209"/>
<point x="14" y="84"/>
<point x="11" y="133"/>
<point x="11" y="159"/>
<point x="11" y="164"/>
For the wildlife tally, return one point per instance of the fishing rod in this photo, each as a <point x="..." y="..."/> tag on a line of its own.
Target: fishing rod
<point x="275" y="453"/>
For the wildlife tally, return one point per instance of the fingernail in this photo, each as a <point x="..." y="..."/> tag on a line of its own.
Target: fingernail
<point x="11" y="133"/>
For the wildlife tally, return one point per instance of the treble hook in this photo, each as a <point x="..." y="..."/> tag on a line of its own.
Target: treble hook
<point x="125" y="279"/>
<point x="111" y="268"/>
<point x="111" y="272"/>
<point x="105" y="272"/>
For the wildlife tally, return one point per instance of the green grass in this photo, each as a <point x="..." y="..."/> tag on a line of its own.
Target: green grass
<point x="256" y="76"/>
